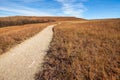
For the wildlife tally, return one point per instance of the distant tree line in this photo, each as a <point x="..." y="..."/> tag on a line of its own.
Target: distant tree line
<point x="21" y="20"/>
<point x="10" y="22"/>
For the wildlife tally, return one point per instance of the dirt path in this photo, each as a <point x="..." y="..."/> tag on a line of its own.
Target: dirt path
<point x="22" y="62"/>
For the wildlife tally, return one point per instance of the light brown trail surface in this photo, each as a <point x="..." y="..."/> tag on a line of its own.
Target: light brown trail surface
<point x="22" y="61"/>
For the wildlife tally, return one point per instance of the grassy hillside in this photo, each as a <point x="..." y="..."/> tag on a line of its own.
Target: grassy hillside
<point x="83" y="51"/>
<point x="80" y="49"/>
<point x="20" y="20"/>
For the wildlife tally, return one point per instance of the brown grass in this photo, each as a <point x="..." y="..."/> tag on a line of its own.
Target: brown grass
<point x="20" y="20"/>
<point x="83" y="51"/>
<point x="10" y="36"/>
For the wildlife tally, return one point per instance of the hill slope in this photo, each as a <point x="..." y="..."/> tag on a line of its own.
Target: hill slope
<point x="20" y="20"/>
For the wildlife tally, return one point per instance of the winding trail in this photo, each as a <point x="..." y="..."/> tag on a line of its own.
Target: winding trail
<point x="23" y="61"/>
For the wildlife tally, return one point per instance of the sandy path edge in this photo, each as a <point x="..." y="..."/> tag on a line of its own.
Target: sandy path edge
<point x="22" y="61"/>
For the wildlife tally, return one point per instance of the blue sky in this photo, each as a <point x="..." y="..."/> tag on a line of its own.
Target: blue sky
<point x="89" y="9"/>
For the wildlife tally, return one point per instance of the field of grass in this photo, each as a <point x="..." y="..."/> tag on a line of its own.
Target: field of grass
<point x="80" y="50"/>
<point x="83" y="51"/>
<point x="21" y="20"/>
<point x="11" y="36"/>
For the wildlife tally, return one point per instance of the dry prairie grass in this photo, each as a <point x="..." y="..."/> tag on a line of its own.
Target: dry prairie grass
<point x="83" y="51"/>
<point x="20" y="20"/>
<point x="10" y="36"/>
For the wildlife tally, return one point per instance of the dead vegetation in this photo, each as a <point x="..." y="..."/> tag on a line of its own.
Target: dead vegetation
<point x="21" y="20"/>
<point x="10" y="36"/>
<point x="83" y="51"/>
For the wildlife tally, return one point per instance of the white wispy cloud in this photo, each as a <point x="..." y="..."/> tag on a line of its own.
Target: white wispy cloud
<point x="28" y="1"/>
<point x="40" y="7"/>
<point x="73" y="7"/>
<point x="19" y="9"/>
<point x="25" y="11"/>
